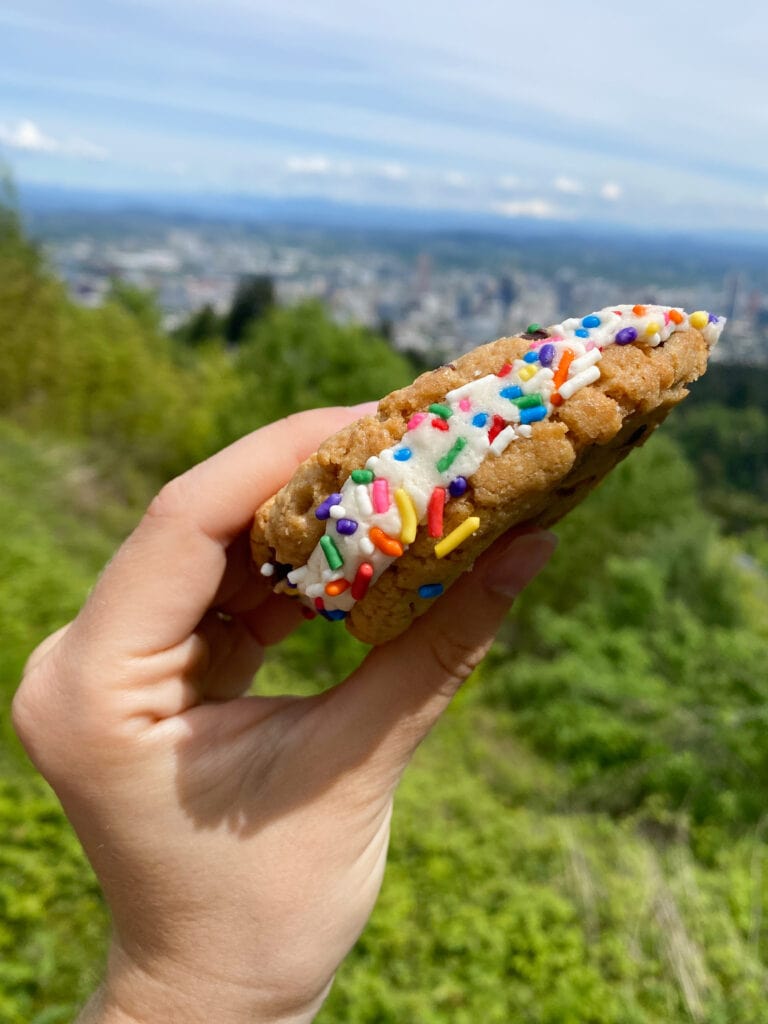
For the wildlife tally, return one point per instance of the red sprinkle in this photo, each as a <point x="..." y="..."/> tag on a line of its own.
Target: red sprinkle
<point x="505" y="370"/>
<point x="320" y="604"/>
<point x="308" y="613"/>
<point x="440" y="424"/>
<point x="435" y="512"/>
<point x="362" y="581"/>
<point x="496" y="427"/>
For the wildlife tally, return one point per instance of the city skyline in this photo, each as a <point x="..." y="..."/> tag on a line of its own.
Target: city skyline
<point x="550" y="113"/>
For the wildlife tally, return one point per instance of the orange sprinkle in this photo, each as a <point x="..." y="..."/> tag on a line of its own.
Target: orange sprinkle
<point x="561" y="373"/>
<point x="386" y="544"/>
<point x="639" y="310"/>
<point x="675" y="316"/>
<point x="556" y="399"/>
<point x="336" y="587"/>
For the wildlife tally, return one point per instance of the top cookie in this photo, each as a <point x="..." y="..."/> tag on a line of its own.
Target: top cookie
<point x="392" y="509"/>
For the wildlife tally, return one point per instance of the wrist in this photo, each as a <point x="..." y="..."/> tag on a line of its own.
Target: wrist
<point x="133" y="994"/>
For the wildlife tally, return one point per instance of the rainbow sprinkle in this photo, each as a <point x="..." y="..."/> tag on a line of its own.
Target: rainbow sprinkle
<point x="444" y="445"/>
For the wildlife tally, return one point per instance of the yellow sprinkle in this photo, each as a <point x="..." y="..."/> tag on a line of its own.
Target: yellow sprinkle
<point x="652" y="328"/>
<point x="408" y="518"/>
<point x="457" y="536"/>
<point x="526" y="372"/>
<point x="699" y="319"/>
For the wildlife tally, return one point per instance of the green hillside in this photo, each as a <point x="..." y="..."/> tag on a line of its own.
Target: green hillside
<point x="582" y="840"/>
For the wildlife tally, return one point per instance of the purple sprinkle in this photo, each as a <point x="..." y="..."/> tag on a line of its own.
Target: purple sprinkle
<point x="546" y="354"/>
<point x="346" y="526"/>
<point x="323" y="511"/>
<point x="713" y="319"/>
<point x="626" y="336"/>
<point x="457" y="486"/>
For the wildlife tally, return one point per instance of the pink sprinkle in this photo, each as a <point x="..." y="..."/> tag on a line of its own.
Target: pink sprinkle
<point x="538" y="342"/>
<point x="380" y="494"/>
<point x="590" y="345"/>
<point x="465" y="405"/>
<point x="416" y="419"/>
<point x="666" y="317"/>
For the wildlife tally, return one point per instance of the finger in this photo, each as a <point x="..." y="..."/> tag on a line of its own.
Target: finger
<point x="164" y="578"/>
<point x="386" y="707"/>
<point x="234" y="657"/>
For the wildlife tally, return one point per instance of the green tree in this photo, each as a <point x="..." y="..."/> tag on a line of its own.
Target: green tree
<point x="254" y="297"/>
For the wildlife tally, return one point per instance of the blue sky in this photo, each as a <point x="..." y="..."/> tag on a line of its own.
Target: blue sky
<point x="655" y="116"/>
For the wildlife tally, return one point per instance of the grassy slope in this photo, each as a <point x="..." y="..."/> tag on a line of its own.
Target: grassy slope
<point x="502" y="901"/>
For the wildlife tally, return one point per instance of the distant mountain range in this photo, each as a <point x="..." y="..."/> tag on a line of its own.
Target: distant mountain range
<point x="315" y="211"/>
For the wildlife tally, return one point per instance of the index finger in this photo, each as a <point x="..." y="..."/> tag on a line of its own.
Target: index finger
<point x="164" y="578"/>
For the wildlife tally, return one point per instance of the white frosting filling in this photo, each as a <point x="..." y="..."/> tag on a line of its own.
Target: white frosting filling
<point x="453" y="441"/>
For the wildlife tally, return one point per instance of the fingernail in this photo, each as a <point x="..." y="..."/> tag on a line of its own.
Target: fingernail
<point x="518" y="564"/>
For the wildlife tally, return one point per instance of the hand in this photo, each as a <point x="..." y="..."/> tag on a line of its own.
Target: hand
<point x="240" y="841"/>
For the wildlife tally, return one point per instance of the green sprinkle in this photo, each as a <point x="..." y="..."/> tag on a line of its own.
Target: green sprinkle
<point x="532" y="328"/>
<point x="441" y="410"/>
<point x="528" y="401"/>
<point x="331" y="552"/>
<point x="362" y="476"/>
<point x="450" y="456"/>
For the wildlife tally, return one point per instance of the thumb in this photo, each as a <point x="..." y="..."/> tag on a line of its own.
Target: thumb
<point x="387" y="706"/>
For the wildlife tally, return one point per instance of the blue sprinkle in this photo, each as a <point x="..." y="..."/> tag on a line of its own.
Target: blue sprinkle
<point x="713" y="319"/>
<point x="458" y="486"/>
<point x="547" y="354"/>
<point x="513" y="391"/>
<point x="538" y="412"/>
<point x="334" y="615"/>
<point x="323" y="511"/>
<point x="531" y="357"/>
<point x="346" y="526"/>
<point x="581" y="333"/>
<point x="480" y="419"/>
<point x="431" y="589"/>
<point x="403" y="454"/>
<point x="590" y="321"/>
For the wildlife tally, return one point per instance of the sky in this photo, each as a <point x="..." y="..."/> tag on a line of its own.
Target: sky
<point x="653" y="116"/>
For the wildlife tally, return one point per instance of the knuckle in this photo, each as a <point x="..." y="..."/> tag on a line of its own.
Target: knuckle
<point x="455" y="659"/>
<point x="169" y="501"/>
<point x="25" y="712"/>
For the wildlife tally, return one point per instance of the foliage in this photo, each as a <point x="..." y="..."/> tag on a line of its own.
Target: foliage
<point x="254" y="297"/>
<point x="298" y="358"/>
<point x="583" y="837"/>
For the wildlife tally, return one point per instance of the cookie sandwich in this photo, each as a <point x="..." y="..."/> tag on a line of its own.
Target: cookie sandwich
<point x="392" y="509"/>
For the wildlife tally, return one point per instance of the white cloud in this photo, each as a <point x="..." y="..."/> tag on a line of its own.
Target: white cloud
<point x="27" y="136"/>
<point x="455" y="179"/>
<point x="308" y="165"/>
<point x="611" y="191"/>
<point x="394" y="172"/>
<point x="569" y="186"/>
<point x="508" y="181"/>
<point x="81" y="147"/>
<point x="539" y="208"/>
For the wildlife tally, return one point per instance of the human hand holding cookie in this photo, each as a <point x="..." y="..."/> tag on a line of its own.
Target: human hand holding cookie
<point x="240" y="840"/>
